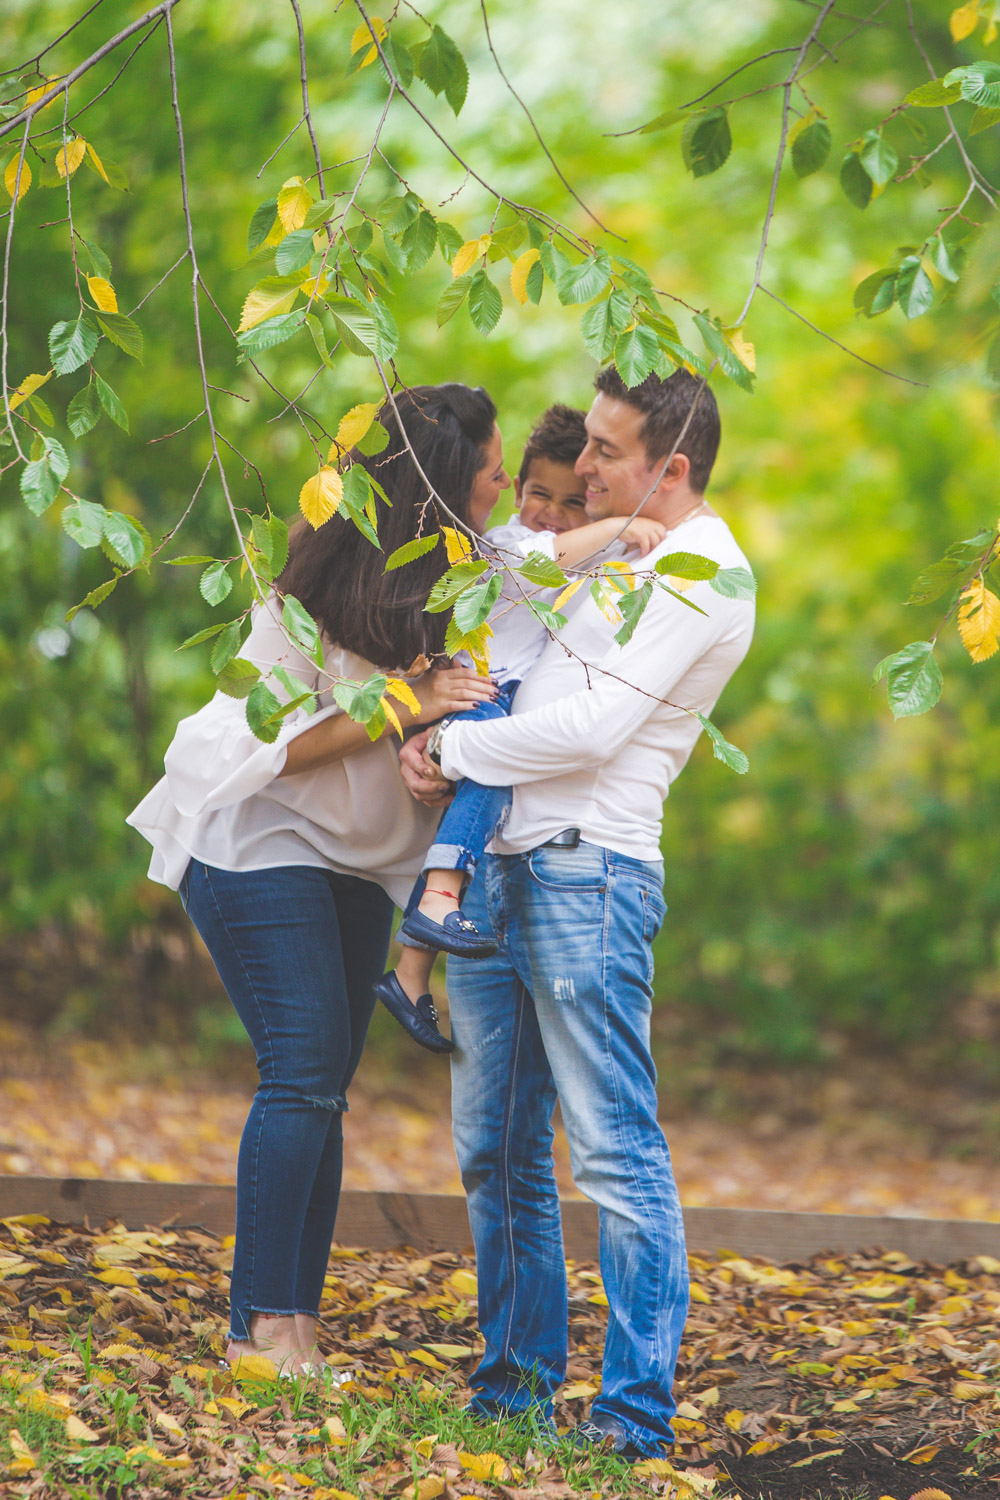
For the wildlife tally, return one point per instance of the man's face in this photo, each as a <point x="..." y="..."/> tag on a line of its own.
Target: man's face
<point x="614" y="464"/>
<point x="552" y="497"/>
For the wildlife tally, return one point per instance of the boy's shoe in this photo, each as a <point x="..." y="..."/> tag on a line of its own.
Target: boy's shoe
<point x="607" y="1434"/>
<point x="456" y="934"/>
<point x="419" y="1019"/>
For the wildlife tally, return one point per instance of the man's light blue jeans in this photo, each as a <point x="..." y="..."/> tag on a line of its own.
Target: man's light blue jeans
<point x="563" y="1010"/>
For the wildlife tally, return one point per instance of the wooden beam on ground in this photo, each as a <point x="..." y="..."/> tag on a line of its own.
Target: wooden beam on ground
<point x="439" y="1221"/>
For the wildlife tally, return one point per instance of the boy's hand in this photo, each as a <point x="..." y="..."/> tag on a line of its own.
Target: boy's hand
<point x="422" y="777"/>
<point x="643" y="534"/>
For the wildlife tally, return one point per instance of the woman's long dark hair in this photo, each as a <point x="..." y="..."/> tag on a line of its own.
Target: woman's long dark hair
<point x="336" y="572"/>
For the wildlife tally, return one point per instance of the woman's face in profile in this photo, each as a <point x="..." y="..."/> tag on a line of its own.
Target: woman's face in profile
<point x="491" y="478"/>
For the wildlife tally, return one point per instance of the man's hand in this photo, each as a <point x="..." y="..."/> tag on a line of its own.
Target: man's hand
<point x="422" y="777"/>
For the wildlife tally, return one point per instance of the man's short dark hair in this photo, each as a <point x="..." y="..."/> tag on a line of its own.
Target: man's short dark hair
<point x="560" y="436"/>
<point x="665" y="405"/>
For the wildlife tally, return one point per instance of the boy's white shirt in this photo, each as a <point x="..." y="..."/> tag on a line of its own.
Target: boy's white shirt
<point x="598" y="749"/>
<point x="519" y="637"/>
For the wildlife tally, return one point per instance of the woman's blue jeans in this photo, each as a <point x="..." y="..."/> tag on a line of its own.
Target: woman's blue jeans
<point x="298" y="949"/>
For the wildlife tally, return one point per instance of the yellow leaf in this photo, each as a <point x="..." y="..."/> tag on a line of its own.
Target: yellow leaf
<point x="314" y="286"/>
<point x="98" y="163"/>
<point x="583" y="1390"/>
<point x="979" y="620"/>
<point x="962" y="22"/>
<point x="170" y="1424"/>
<point x="79" y="1432"/>
<point x="10" y="177"/>
<point x="103" y="293"/>
<point x="320" y="496"/>
<point x="923" y="1455"/>
<point x="744" y="351"/>
<point x="363" y="37"/>
<point x="353" y="427"/>
<point x="599" y="1299"/>
<point x="20" y="1449"/>
<point x="487" y="1467"/>
<point x="261" y="304"/>
<point x="607" y="606"/>
<point x="405" y="694"/>
<point x="42" y="88"/>
<point x="421" y="1354"/>
<point x="803" y="123"/>
<point x="734" y="1419"/>
<point x="53" y="1403"/>
<point x="567" y="593"/>
<point x="464" y="1283"/>
<point x="519" y="274"/>
<point x="457" y="546"/>
<point x="255" y="1367"/>
<point x="334" y="1428"/>
<point x="118" y="1351"/>
<point x="625" y="581"/>
<point x="930" y="1495"/>
<point x="470" y="252"/>
<point x="429" y="1487"/>
<point x="294" y="202"/>
<point x="709" y="1397"/>
<point x="117" y="1276"/>
<point x="238" y="1408"/>
<point x="21" y="1346"/>
<point x="28" y="386"/>
<point x="971" y="1390"/>
<point x="394" y="723"/>
<point x="146" y="1453"/>
<point x="763" y="1445"/>
<point x="69" y="157"/>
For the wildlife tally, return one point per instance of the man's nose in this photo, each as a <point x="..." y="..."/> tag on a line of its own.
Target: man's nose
<point x="584" y="464"/>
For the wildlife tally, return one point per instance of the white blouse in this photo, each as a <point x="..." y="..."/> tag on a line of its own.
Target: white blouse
<point x="222" y="801"/>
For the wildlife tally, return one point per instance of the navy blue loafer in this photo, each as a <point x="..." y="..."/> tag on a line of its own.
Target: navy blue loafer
<point x="419" y="1019"/>
<point x="456" y="934"/>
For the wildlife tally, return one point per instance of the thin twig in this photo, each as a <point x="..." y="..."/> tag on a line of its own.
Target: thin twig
<point x="179" y="261"/>
<point x="306" y="111"/>
<point x="278" y="147"/>
<point x="34" y="61"/>
<point x="830" y="339"/>
<point x="5" y="300"/>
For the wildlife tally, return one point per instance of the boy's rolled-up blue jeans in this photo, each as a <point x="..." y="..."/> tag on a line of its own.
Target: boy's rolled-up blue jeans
<point x="562" y="1010"/>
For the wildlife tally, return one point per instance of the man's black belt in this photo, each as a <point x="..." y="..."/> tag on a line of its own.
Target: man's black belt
<point x="568" y="839"/>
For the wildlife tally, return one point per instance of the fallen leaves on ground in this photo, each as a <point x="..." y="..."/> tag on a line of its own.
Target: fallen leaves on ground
<point x="794" y="1381"/>
<point x="93" y="1110"/>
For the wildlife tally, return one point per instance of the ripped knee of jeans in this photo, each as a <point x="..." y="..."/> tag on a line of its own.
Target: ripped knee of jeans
<point x="335" y="1103"/>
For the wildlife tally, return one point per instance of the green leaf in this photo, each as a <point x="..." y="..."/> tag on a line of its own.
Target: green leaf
<point x="123" y="332"/>
<point x="355" y="326"/>
<point x="201" y="635"/>
<point x="39" y="485"/>
<point x="984" y="119"/>
<point x="419" y="239"/>
<point x="294" y="252"/>
<point x="928" y="95"/>
<point x="534" y="282"/>
<point x="386" y="332"/>
<point x="552" y="260"/>
<point x="947" y="259"/>
<point x="187" y="560"/>
<point x="399" y="59"/>
<point x="279" y="543"/>
<point x="83" y="521"/>
<point x="71" y="345"/>
<point x="125" y="538"/>
<point x="855" y="181"/>
<point x="262" y="705"/>
<point x="729" y="754"/>
<point x="993" y="360"/>
<point x="360" y="700"/>
<point x="99" y="262"/>
<point x="539" y="568"/>
<point x="636" y="353"/>
<point x="41" y="409"/>
<point x="550" y="618"/>
<point x="450" y="240"/>
<point x="409" y="551"/>
<point x="293" y="687"/>
<point x="878" y="159"/>
<point x="810" y="148"/>
<point x="358" y="503"/>
<point x="111" y="402"/>
<point x="323" y="210"/>
<point x="300" y="624"/>
<point x="226" y="646"/>
<point x="914" y="288"/>
<point x="979" y="83"/>
<point x="215" y="583"/>
<point x="915" y="680"/>
<point x="933" y="581"/>
<point x="473" y="606"/>
<point x="584" y="282"/>
<point x="735" y="583"/>
<point x="632" y="606"/>
<point x="485" y="304"/>
<point x="706" y="142"/>
<point x="95" y="597"/>
<point x="669" y="118"/>
<point x="457" y="579"/>
<point x="452" y="298"/>
<point x="261" y="224"/>
<point x="597" y="330"/>
<point x="83" y="411"/>
<point x="396" y="213"/>
<point x="443" y="69"/>
<point x="687" y="565"/>
<point x="238" y="676"/>
<point x="876" y="293"/>
<point x="375" y="440"/>
<point x="717" y="346"/>
<point x="261" y="537"/>
<point x="271" y="331"/>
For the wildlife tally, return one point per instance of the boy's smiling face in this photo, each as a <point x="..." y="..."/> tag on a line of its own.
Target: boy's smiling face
<point x="552" y="497"/>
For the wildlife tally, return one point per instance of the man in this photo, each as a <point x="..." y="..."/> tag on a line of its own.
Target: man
<point x="573" y="895"/>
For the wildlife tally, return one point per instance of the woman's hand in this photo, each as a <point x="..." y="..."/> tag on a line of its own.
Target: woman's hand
<point x="449" y="690"/>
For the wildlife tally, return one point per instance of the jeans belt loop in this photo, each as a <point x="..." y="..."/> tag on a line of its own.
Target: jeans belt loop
<point x="568" y="839"/>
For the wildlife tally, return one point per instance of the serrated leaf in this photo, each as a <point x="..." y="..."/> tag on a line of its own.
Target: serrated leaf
<point x="735" y="583"/>
<point x="914" y="288"/>
<point x="69" y="157"/>
<point x="717" y="346"/>
<point x="914" y="679"/>
<point x="201" y="635"/>
<point x="448" y="588"/>
<point x="456" y="545"/>
<point x="519" y="273"/>
<point x="878" y="159"/>
<point x="374" y="441"/>
<point x="270" y="332"/>
<point x="355" y="326"/>
<point x="811" y="147"/>
<point x="722" y="749"/>
<point x="215" y="583"/>
<point x="689" y="565"/>
<point x="353" y="426"/>
<point x="270" y="298"/>
<point x="95" y="597"/>
<point x="933" y="581"/>
<point x="669" y="118"/>
<point x="295" y="252"/>
<point x="128" y="542"/>
<point x="261" y="224"/>
<point x="984" y="119"/>
<point x="979" y="83"/>
<point x="485" y="303"/>
<point x="539" y="568"/>
<point x="188" y="560"/>
<point x="472" y="607"/>
<point x="419" y="239"/>
<point x="409" y="551"/>
<point x="584" y="282"/>
<point x="320" y="496"/>
<point x="294" y="202"/>
<point x="238" y="677"/>
<point x="360" y="700"/>
<point x="262" y="705"/>
<point x="452" y="298"/>
<point x="979" y="621"/>
<point x="363" y="40"/>
<point x="108" y="170"/>
<point x="226" y="647"/>
<point x="706" y="142"/>
<point x="857" y="185"/>
<point x="470" y="252"/>
<point x="111" y="402"/>
<point x="103" y="293"/>
<point x="39" y="486"/>
<point x="29" y="385"/>
<point x="443" y="68"/>
<point x="876" y="293"/>
<point x="636" y="352"/>
<point x="122" y="331"/>
<point x="71" y="345"/>
<point x="632" y="607"/>
<point x="937" y="92"/>
<point x="83" y="521"/>
<point x="12" y="180"/>
<point x="279" y="543"/>
<point x="300" y="624"/>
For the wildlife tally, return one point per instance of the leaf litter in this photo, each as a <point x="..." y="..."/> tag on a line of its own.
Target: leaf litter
<point x="839" y="1376"/>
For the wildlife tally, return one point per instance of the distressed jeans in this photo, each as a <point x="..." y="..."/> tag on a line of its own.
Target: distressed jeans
<point x="298" y="949"/>
<point x="562" y="1011"/>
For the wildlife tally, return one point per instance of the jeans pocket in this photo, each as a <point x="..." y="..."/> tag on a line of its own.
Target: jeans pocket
<point x="581" y="869"/>
<point x="654" y="909"/>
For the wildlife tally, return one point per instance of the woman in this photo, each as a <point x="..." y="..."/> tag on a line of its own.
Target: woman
<point x="288" y="856"/>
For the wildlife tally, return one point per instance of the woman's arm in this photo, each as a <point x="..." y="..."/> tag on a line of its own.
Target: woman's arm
<point x="446" y="690"/>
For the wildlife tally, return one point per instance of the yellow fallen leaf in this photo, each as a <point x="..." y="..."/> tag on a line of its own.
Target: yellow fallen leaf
<point x="923" y="1455"/>
<point x="709" y="1397"/>
<point x="583" y="1390"/>
<point x="422" y="1357"/>
<point x="464" y="1282"/>
<point x="429" y="1487"/>
<point x="238" y="1408"/>
<point x="487" y="1467"/>
<point x="320" y="496"/>
<point x="103" y="293"/>
<point x="19" y="1447"/>
<point x="52" y="1403"/>
<point x="170" y="1424"/>
<point x="20" y="1346"/>
<point x="13" y="1265"/>
<point x="79" y="1432"/>
<point x="816" y="1458"/>
<point x="466" y="257"/>
<point x="519" y="274"/>
<point x="118" y="1351"/>
<point x="117" y="1276"/>
<point x="971" y="1390"/>
<point x="845" y="1406"/>
<point x="335" y="1430"/>
<point x="763" y="1445"/>
<point x="450" y="1351"/>
<point x="987" y="1264"/>
<point x="685" y="1425"/>
<point x="859" y="1330"/>
<point x="146" y="1453"/>
<point x="599" y="1299"/>
<point x="69" y="157"/>
<point x="10" y="178"/>
<point x="734" y="1419"/>
<point x="254" y="1367"/>
<point x="930" y="1495"/>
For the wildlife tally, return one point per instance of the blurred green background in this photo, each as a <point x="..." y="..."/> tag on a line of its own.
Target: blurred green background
<point x="846" y="891"/>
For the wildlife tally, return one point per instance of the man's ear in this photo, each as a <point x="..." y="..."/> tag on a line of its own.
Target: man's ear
<point x="676" y="473"/>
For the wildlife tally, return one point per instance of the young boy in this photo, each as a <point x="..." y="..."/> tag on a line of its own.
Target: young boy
<point x="551" y="519"/>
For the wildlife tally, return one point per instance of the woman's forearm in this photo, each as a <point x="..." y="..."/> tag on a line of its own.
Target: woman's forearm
<point x="330" y="740"/>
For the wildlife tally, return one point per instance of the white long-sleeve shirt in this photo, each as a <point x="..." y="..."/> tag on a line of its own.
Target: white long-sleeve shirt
<point x="600" y="754"/>
<point x="222" y="800"/>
